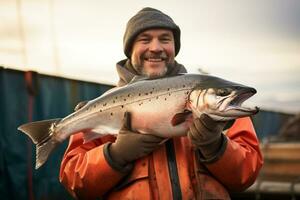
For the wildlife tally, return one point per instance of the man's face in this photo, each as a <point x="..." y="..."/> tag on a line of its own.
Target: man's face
<point x="153" y="51"/>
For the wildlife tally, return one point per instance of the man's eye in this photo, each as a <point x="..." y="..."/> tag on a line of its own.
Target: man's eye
<point x="165" y="40"/>
<point x="143" y="39"/>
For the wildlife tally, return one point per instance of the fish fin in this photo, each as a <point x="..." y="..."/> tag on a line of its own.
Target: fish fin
<point x="138" y="78"/>
<point x="80" y="105"/>
<point x="180" y="118"/>
<point x="99" y="132"/>
<point x="38" y="130"/>
<point x="44" y="150"/>
<point x="91" y="135"/>
<point x="104" y="130"/>
<point x="40" y="134"/>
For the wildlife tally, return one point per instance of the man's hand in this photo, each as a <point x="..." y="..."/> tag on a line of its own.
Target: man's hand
<point x="206" y="134"/>
<point x="130" y="146"/>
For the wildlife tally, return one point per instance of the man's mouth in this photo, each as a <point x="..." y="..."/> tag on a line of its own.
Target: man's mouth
<point x="154" y="59"/>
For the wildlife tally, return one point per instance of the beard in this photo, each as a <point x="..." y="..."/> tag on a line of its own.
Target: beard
<point x="139" y="67"/>
<point x="154" y="74"/>
<point x="151" y="74"/>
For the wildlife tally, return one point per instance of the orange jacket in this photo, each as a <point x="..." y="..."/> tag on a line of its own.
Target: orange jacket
<point x="87" y="175"/>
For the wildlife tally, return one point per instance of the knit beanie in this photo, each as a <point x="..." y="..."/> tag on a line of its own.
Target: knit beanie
<point x="145" y="19"/>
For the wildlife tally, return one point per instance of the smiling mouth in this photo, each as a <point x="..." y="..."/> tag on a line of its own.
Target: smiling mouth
<point x="154" y="59"/>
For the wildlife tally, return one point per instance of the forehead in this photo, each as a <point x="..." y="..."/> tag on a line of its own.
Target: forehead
<point x="156" y="32"/>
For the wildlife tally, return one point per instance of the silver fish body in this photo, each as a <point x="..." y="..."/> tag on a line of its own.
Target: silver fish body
<point x="164" y="107"/>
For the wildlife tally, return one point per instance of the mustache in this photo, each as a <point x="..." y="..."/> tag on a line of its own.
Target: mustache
<point x="160" y="55"/>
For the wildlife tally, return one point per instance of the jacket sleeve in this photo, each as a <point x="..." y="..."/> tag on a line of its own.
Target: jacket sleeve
<point x="238" y="167"/>
<point x="84" y="170"/>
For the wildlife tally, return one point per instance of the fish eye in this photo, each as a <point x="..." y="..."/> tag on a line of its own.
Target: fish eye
<point x="223" y="91"/>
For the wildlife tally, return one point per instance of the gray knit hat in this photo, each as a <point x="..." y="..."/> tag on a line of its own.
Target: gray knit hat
<point x="145" y="19"/>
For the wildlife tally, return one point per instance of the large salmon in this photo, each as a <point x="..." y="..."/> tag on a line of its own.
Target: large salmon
<point x="162" y="107"/>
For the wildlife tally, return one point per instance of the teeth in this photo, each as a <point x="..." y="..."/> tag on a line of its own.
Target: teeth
<point x="154" y="59"/>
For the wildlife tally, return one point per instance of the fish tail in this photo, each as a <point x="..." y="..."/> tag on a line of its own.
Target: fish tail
<point x="41" y="132"/>
<point x="44" y="150"/>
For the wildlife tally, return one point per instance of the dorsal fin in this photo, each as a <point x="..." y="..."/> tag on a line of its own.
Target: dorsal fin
<point x="80" y="105"/>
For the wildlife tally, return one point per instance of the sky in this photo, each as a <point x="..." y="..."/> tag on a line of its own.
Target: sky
<point x="252" y="42"/>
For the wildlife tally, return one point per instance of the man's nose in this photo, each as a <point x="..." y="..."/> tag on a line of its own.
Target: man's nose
<point x="155" y="46"/>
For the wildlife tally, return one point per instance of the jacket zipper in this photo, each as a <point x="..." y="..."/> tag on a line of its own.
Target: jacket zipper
<point x="173" y="171"/>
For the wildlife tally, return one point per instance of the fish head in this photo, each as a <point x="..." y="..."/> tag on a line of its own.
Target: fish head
<point x="221" y="100"/>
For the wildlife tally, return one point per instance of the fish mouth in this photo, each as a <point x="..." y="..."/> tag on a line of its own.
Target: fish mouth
<point x="235" y="106"/>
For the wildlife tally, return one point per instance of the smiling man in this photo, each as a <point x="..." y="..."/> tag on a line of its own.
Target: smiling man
<point x="153" y="52"/>
<point x="204" y="165"/>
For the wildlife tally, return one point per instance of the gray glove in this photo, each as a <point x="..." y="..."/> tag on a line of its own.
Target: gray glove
<point x="206" y="134"/>
<point x="130" y="145"/>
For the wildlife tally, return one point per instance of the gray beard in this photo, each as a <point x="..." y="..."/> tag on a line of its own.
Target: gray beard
<point x="140" y="70"/>
<point x="154" y="75"/>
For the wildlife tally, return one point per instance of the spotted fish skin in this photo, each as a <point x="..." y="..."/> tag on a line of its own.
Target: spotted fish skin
<point x="164" y="107"/>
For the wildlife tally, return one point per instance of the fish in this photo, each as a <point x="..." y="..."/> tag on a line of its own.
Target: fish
<point x="163" y="107"/>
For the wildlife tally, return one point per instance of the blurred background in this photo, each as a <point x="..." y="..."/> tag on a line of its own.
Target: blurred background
<point x="54" y="54"/>
<point x="253" y="42"/>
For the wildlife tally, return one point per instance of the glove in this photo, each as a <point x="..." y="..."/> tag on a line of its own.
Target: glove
<point x="130" y="145"/>
<point x="206" y="134"/>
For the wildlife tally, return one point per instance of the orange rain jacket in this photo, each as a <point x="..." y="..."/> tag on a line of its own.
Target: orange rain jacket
<point x="174" y="171"/>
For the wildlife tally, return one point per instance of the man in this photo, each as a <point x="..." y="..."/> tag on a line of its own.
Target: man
<point x="204" y="165"/>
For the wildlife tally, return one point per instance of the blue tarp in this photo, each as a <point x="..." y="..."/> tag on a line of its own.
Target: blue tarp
<point x="268" y="123"/>
<point x="54" y="97"/>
